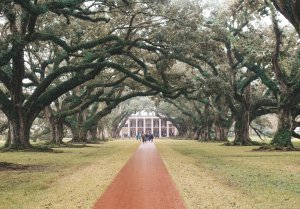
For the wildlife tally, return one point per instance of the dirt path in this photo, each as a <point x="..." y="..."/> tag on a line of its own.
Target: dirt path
<point x="144" y="183"/>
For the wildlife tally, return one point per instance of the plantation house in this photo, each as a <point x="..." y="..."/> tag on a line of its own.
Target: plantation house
<point x="147" y="122"/>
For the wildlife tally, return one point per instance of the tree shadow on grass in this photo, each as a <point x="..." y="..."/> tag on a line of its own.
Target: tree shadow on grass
<point x="73" y="144"/>
<point x="51" y="148"/>
<point x="5" y="166"/>
<point x="76" y="145"/>
<point x="38" y="148"/>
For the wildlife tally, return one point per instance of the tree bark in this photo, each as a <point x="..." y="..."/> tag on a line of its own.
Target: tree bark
<point x="19" y="127"/>
<point x="197" y="134"/>
<point x="241" y="129"/>
<point x="283" y="136"/>
<point x="18" y="135"/>
<point x="115" y="132"/>
<point x="114" y="135"/>
<point x="182" y="131"/>
<point x="101" y="135"/>
<point x="290" y="10"/>
<point x="59" y="131"/>
<point x="55" y="126"/>
<point x="50" y="118"/>
<point x="78" y="130"/>
<point x="221" y="133"/>
<point x="93" y="134"/>
<point x="206" y="135"/>
<point x="79" y="134"/>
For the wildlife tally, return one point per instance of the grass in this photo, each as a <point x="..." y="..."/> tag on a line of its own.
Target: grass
<point x="207" y="175"/>
<point x="73" y="178"/>
<point x="212" y="176"/>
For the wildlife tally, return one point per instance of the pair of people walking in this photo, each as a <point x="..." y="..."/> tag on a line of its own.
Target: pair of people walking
<point x="148" y="137"/>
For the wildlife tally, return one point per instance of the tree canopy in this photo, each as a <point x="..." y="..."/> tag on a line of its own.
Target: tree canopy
<point x="74" y="62"/>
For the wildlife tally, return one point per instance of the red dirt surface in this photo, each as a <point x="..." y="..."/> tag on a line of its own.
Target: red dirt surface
<point x="143" y="183"/>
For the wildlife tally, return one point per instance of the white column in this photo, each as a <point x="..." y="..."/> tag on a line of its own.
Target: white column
<point x="152" y="126"/>
<point x="128" y="131"/>
<point x="159" y="127"/>
<point x="144" y="125"/>
<point x="136" y="126"/>
<point x="121" y="133"/>
<point x="175" y="131"/>
<point x="167" y="128"/>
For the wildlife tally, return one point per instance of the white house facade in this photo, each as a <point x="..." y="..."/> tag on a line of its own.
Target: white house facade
<point x="147" y="122"/>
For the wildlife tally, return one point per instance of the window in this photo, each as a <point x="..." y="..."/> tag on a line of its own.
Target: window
<point x="140" y="123"/>
<point x="132" y="123"/>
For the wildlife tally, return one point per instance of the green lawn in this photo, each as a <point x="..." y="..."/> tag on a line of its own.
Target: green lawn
<point x="209" y="175"/>
<point x="74" y="178"/>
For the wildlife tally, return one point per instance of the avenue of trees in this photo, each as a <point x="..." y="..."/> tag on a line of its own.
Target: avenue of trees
<point x="85" y="66"/>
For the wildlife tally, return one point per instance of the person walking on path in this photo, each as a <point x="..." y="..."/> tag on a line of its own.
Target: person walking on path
<point x="142" y="184"/>
<point x="143" y="138"/>
<point x="138" y="136"/>
<point x="151" y="137"/>
<point x="146" y="137"/>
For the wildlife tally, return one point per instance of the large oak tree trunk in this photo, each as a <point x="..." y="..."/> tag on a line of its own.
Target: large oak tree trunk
<point x="206" y="134"/>
<point x="50" y="119"/>
<point x="55" y="126"/>
<point x="59" y="131"/>
<point x="221" y="133"/>
<point x="93" y="134"/>
<point x="79" y="131"/>
<point x="241" y="129"/>
<point x="18" y="135"/>
<point x="19" y="127"/>
<point x="283" y="136"/>
<point x="182" y="131"/>
<point x="220" y="128"/>
<point x="101" y="134"/>
<point x="115" y="132"/>
<point x="242" y="119"/>
<point x="197" y="134"/>
<point x="79" y="134"/>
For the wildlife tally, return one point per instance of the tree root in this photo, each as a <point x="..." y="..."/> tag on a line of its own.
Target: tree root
<point x="252" y="143"/>
<point x="270" y="147"/>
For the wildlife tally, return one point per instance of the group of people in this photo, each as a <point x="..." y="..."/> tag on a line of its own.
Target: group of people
<point x="148" y="137"/>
